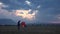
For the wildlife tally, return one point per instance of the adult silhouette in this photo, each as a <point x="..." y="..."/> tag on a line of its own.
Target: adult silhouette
<point x="18" y="25"/>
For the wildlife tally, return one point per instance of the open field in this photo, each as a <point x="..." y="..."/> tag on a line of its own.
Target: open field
<point x="11" y="29"/>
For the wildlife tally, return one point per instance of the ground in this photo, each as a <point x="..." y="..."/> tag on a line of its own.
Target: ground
<point x="12" y="29"/>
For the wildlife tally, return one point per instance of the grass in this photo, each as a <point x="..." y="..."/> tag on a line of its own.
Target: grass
<point x="12" y="29"/>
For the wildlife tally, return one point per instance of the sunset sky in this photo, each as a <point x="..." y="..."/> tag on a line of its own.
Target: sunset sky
<point x="30" y="11"/>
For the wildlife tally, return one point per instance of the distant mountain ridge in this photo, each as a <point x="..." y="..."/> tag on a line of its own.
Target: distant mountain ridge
<point x="7" y="22"/>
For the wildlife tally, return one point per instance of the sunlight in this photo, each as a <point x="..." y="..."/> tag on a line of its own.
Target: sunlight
<point x="25" y="14"/>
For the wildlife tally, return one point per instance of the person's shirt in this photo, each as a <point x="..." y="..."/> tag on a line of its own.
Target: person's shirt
<point x="23" y="23"/>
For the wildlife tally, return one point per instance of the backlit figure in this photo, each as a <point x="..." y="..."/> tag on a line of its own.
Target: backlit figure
<point x="18" y="25"/>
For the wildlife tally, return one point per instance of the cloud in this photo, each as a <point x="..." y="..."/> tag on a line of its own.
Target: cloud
<point x="3" y="11"/>
<point x="16" y="15"/>
<point x="29" y="10"/>
<point x="6" y="14"/>
<point x="3" y="5"/>
<point x="25" y="14"/>
<point x="12" y="15"/>
<point x="47" y="12"/>
<point x="38" y="6"/>
<point x="56" y="19"/>
<point x="28" y="2"/>
<point x="57" y="16"/>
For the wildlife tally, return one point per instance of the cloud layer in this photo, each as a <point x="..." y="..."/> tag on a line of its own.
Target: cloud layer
<point x="48" y="10"/>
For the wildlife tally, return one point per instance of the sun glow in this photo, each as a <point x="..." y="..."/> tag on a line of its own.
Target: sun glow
<point x="25" y="14"/>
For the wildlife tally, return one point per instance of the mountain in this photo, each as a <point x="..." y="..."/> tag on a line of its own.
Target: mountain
<point x="7" y="22"/>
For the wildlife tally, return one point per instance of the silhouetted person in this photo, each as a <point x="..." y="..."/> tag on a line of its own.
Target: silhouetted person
<point x="18" y="25"/>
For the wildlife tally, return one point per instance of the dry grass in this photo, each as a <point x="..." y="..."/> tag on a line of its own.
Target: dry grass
<point x="29" y="30"/>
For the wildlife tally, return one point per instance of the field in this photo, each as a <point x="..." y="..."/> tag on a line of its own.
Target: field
<point x="12" y="29"/>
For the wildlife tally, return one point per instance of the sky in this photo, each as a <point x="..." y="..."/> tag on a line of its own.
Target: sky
<point x="31" y="11"/>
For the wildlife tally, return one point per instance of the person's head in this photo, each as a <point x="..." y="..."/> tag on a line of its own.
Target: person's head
<point x="23" y="22"/>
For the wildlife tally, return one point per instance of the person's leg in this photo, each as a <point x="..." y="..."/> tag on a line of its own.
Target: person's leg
<point x="18" y="27"/>
<point x="21" y="28"/>
<point x="25" y="28"/>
